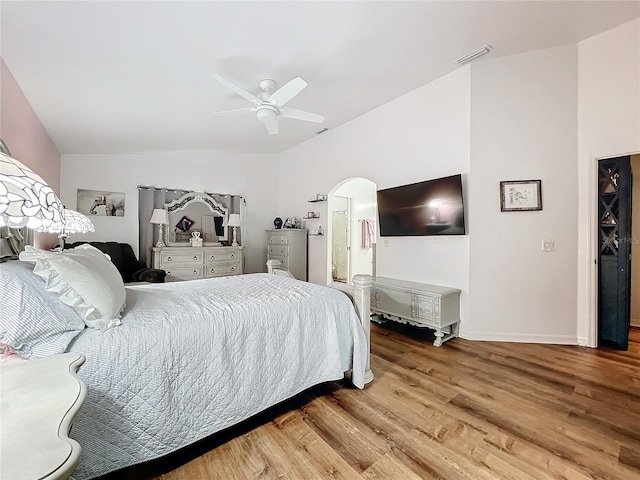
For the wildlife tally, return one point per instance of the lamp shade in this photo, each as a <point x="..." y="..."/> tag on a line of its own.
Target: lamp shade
<point x="159" y="217"/>
<point x="25" y="198"/>
<point x="234" y="220"/>
<point x="74" y="222"/>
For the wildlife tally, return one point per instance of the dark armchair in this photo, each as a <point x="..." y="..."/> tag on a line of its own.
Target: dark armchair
<point x="130" y="268"/>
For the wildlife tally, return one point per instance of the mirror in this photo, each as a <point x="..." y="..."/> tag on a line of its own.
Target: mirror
<point x="196" y="212"/>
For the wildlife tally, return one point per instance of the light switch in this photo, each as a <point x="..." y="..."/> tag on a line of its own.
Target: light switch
<point x="548" y="245"/>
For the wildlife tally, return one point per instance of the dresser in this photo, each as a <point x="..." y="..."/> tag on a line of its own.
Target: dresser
<point x="38" y="401"/>
<point x="189" y="263"/>
<point x="419" y="304"/>
<point x="289" y="245"/>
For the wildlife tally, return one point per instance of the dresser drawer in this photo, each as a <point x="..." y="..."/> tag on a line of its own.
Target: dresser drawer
<point x="277" y="240"/>
<point x="221" y="257"/>
<point x="220" y="270"/>
<point x="168" y="259"/>
<point x="280" y="250"/>
<point x="185" y="273"/>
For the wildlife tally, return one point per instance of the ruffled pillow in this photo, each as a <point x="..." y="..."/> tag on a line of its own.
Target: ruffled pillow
<point x="83" y="278"/>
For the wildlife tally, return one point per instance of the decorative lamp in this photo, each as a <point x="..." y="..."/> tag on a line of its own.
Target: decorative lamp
<point x="74" y="222"/>
<point x="160" y="217"/>
<point x="25" y="198"/>
<point x="234" y="221"/>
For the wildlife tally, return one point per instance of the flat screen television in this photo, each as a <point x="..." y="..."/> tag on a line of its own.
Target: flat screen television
<point x="432" y="207"/>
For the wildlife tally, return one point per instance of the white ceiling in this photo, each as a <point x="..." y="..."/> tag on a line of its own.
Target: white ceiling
<point x="118" y="77"/>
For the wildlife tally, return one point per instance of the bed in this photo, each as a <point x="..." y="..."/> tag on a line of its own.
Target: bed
<point x="185" y="359"/>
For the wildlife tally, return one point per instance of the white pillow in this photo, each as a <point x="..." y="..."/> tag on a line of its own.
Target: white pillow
<point x="83" y="278"/>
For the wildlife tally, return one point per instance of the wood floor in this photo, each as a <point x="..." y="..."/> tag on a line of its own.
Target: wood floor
<point x="466" y="410"/>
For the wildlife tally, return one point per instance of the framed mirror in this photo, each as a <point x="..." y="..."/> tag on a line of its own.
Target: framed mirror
<point x="196" y="212"/>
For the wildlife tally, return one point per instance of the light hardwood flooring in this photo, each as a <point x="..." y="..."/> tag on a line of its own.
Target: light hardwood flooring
<point x="466" y="410"/>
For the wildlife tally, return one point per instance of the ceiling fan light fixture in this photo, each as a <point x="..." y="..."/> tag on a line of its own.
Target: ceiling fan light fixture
<point x="267" y="113"/>
<point x="475" y="54"/>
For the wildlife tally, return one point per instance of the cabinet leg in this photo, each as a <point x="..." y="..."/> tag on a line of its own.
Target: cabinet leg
<point x="439" y="334"/>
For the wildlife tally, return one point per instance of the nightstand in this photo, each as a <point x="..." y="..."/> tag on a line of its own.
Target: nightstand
<point x="38" y="401"/>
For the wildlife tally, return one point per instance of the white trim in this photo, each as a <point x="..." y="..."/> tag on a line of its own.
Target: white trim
<point x="635" y="322"/>
<point x="521" y="338"/>
<point x="582" y="341"/>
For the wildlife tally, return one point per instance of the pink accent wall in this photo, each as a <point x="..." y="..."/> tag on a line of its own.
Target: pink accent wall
<point x="27" y="138"/>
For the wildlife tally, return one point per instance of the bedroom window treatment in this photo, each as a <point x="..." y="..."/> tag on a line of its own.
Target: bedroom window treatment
<point x="150" y="198"/>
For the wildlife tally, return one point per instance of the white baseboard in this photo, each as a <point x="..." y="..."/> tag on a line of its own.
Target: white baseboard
<point x="635" y="322"/>
<point x="521" y="338"/>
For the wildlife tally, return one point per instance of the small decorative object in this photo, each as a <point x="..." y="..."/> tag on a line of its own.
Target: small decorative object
<point x="234" y="221"/>
<point x="195" y="240"/>
<point x="277" y="223"/>
<point x="520" y="195"/>
<point x="160" y="218"/>
<point x="320" y="230"/>
<point x="185" y="224"/>
<point x="292" y="222"/>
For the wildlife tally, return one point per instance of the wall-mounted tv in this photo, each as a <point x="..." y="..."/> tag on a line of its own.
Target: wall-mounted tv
<point x="432" y="207"/>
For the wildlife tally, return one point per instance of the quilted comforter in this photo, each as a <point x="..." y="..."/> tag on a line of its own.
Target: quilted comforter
<point x="192" y="358"/>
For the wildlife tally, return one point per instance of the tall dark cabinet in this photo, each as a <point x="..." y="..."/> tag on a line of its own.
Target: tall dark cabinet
<point x="614" y="262"/>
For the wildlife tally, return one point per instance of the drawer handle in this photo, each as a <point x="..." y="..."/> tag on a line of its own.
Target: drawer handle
<point x="233" y="269"/>
<point x="195" y="257"/>
<point x="213" y="270"/>
<point x="169" y="259"/>
<point x="195" y="272"/>
<point x="168" y="273"/>
<point x="213" y="257"/>
<point x="233" y="256"/>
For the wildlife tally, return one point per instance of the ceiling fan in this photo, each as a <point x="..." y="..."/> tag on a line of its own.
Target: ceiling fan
<point x="269" y="106"/>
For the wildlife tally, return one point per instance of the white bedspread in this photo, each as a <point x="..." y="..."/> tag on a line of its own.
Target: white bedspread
<point x="192" y="358"/>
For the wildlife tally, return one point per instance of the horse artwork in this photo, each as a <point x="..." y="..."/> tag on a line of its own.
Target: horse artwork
<point x="101" y="203"/>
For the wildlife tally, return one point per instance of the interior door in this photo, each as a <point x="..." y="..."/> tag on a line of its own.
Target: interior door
<point x="614" y="262"/>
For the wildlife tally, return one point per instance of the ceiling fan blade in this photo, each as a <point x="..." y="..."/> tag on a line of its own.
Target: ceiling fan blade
<point x="287" y="91"/>
<point x="232" y="86"/>
<point x="300" y="115"/>
<point x="223" y="112"/>
<point x="272" y="126"/>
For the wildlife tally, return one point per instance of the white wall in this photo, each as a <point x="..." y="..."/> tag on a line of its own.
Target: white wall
<point x="252" y="176"/>
<point x="608" y="126"/>
<point x="523" y="127"/>
<point x="419" y="136"/>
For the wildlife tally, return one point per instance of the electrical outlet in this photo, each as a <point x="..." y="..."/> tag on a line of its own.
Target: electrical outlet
<point x="386" y="242"/>
<point x="548" y="245"/>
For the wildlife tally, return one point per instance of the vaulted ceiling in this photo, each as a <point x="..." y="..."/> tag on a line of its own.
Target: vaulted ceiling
<point x="118" y="77"/>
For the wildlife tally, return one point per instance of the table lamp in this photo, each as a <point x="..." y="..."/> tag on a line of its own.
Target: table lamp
<point x="74" y="222"/>
<point x="234" y="221"/>
<point x="160" y="217"/>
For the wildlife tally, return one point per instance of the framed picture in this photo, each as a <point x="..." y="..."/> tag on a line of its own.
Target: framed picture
<point x="520" y="195"/>
<point x="101" y="203"/>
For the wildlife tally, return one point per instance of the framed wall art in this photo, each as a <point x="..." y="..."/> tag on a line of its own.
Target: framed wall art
<point x="520" y="195"/>
<point x="101" y="203"/>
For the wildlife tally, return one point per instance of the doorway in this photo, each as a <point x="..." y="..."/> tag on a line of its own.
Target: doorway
<point x="356" y="199"/>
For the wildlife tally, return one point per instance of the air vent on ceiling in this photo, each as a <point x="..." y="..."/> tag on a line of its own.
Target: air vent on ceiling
<point x="475" y="54"/>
